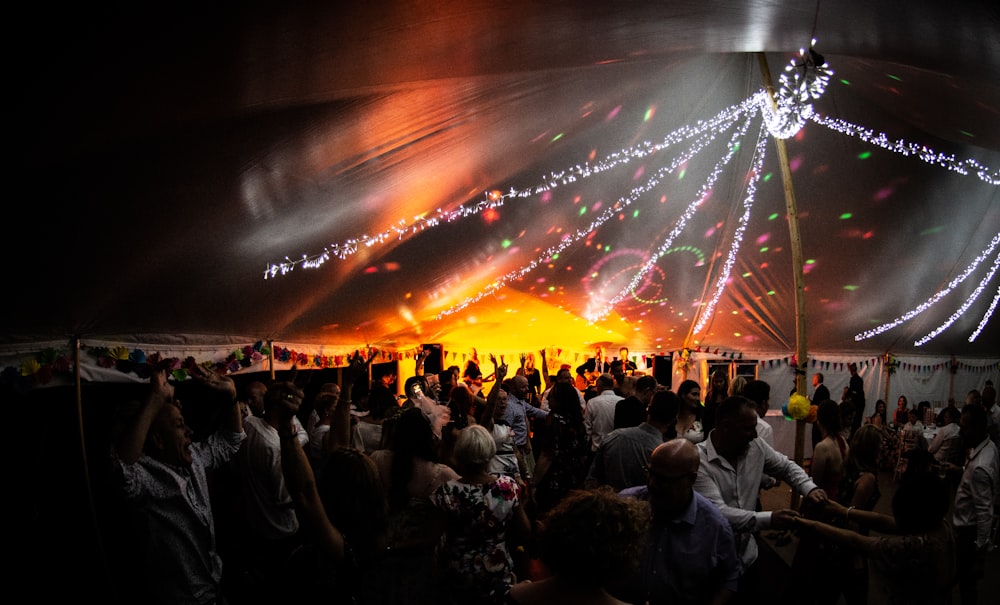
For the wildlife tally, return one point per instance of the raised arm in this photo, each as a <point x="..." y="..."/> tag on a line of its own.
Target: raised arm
<point x="301" y="485"/>
<point x="419" y="369"/>
<point x="224" y="385"/>
<point x="500" y="371"/>
<point x="340" y="426"/>
<point x="161" y="394"/>
<point x="545" y="370"/>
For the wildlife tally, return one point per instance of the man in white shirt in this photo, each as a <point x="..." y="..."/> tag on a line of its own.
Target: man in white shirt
<point x="947" y="443"/>
<point x="733" y="462"/>
<point x="975" y="501"/>
<point x="164" y="476"/>
<point x="271" y="527"/>
<point x="600" y="414"/>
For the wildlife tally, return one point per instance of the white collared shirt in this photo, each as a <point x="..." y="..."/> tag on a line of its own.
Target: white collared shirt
<point x="978" y="491"/>
<point x="735" y="490"/>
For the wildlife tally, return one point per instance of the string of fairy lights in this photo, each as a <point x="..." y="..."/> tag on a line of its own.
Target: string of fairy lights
<point x="688" y="213"/>
<point x="622" y="203"/>
<point x="804" y="80"/>
<point x="941" y="294"/>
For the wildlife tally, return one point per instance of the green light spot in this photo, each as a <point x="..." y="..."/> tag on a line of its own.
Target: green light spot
<point x="967" y="133"/>
<point x="773" y="216"/>
<point x="649" y="114"/>
<point x="896" y="78"/>
<point x="811" y="261"/>
<point x="635" y="214"/>
<point x="845" y="82"/>
<point x="845" y="216"/>
<point x="680" y="175"/>
<point x="607" y="248"/>
<point x="583" y="211"/>
<point x="764" y="249"/>
<point x="850" y="288"/>
<point x="506" y="243"/>
<point x="557" y="137"/>
<point x="552" y="288"/>
<point x="932" y="230"/>
<point x="555" y="256"/>
<point x="770" y="292"/>
<point x="736" y="146"/>
<point x="864" y="155"/>
<point x="767" y="177"/>
<point x="747" y="274"/>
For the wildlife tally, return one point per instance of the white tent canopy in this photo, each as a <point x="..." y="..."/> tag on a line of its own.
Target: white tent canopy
<point x="507" y="176"/>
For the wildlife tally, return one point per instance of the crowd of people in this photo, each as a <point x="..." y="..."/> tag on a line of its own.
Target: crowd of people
<point x="486" y="485"/>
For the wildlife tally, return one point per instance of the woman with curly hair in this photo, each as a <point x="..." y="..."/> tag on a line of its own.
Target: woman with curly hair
<point x="590" y="540"/>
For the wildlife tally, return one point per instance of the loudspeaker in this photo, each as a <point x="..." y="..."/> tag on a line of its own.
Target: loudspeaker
<point x="434" y="363"/>
<point x="663" y="369"/>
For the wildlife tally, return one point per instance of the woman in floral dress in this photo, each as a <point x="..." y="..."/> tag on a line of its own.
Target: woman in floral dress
<point x="484" y="513"/>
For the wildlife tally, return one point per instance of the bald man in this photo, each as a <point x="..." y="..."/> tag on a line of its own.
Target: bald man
<point x="691" y="554"/>
<point x="517" y="414"/>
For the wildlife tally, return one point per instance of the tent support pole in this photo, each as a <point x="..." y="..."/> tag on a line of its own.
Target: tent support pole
<point x="888" y="380"/>
<point x="85" y="466"/>
<point x="270" y="358"/>
<point x="791" y="210"/>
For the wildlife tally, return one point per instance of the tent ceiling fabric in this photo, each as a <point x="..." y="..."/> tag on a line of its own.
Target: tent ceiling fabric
<point x="169" y="156"/>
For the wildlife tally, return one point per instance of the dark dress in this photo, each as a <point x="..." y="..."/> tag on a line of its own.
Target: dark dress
<point x="566" y="445"/>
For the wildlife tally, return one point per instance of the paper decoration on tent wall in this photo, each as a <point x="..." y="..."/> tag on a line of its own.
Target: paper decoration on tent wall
<point x="802" y="82"/>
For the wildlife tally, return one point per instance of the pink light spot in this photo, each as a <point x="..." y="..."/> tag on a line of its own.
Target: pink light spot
<point x="763" y="238"/>
<point x="597" y="206"/>
<point x="547" y="197"/>
<point x="638" y="173"/>
<point x="883" y="193"/>
<point x="710" y="231"/>
<point x="795" y="164"/>
<point x="613" y="113"/>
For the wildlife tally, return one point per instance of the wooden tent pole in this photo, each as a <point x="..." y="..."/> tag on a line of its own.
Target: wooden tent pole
<point x="952" y="368"/>
<point x="270" y="358"/>
<point x="791" y="210"/>
<point x="888" y="380"/>
<point x="85" y="466"/>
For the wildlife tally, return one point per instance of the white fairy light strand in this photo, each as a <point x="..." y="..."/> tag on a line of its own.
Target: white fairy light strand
<point x="986" y="317"/>
<point x="719" y="123"/>
<point x="964" y="307"/>
<point x="933" y="299"/>
<point x="801" y="83"/>
<point x="568" y="240"/>
<point x="901" y="147"/>
<point x="689" y="212"/>
<point x="748" y="200"/>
